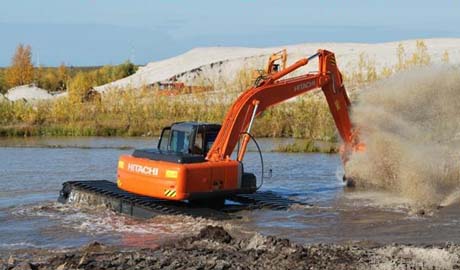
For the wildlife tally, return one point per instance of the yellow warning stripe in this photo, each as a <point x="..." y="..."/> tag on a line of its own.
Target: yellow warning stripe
<point x="170" y="193"/>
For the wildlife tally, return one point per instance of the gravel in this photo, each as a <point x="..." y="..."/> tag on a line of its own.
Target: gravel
<point x="215" y="248"/>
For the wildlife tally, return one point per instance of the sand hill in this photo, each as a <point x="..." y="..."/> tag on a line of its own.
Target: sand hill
<point x="223" y="63"/>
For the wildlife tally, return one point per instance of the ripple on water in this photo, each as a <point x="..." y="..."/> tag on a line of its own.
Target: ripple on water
<point x="104" y="224"/>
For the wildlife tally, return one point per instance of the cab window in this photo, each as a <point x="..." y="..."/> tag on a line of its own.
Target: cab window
<point x="180" y="141"/>
<point x="209" y="140"/>
<point x="163" y="144"/>
<point x="198" y="144"/>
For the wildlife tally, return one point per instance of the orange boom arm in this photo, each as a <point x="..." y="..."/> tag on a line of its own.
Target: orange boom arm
<point x="272" y="91"/>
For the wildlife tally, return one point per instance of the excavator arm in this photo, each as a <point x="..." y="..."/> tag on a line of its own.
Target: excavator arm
<point x="273" y="90"/>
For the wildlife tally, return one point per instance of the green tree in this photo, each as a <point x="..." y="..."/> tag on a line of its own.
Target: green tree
<point x="21" y="70"/>
<point x="126" y="69"/>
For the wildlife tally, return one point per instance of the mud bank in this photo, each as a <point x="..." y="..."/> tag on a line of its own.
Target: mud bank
<point x="215" y="248"/>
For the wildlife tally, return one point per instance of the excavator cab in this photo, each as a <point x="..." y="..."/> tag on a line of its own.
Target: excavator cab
<point x="188" y="138"/>
<point x="174" y="170"/>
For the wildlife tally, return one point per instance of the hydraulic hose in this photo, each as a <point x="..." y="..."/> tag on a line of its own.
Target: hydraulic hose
<point x="260" y="155"/>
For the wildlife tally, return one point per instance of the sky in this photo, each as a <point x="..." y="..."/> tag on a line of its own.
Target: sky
<point x="99" y="32"/>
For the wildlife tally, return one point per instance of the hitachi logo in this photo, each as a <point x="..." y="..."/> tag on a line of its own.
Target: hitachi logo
<point x="302" y="86"/>
<point x="142" y="169"/>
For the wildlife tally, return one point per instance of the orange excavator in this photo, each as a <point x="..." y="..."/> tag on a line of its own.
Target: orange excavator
<point x="193" y="160"/>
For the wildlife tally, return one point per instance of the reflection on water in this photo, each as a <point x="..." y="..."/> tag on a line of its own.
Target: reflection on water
<point x="31" y="177"/>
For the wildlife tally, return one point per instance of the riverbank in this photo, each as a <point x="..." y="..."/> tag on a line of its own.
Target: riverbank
<point x="280" y="145"/>
<point x="144" y="113"/>
<point x="215" y="248"/>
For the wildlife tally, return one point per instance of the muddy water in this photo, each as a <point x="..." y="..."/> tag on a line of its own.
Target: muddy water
<point x="32" y="171"/>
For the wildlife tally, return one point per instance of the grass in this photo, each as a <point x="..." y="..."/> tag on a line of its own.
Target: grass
<point x="131" y="113"/>
<point x="307" y="146"/>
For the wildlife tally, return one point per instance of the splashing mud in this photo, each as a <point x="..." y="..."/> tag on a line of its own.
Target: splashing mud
<point x="411" y="126"/>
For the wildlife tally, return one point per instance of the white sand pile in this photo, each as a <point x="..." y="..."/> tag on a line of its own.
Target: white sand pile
<point x="28" y="93"/>
<point x="223" y="63"/>
<point x="189" y="61"/>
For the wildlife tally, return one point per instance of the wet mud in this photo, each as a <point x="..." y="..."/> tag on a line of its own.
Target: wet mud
<point x="214" y="248"/>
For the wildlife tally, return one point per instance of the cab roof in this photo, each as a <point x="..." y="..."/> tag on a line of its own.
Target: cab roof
<point x="191" y="125"/>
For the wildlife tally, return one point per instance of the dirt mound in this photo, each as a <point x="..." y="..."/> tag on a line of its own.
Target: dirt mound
<point x="214" y="233"/>
<point x="215" y="248"/>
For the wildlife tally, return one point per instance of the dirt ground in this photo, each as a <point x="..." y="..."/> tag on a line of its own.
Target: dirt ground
<point x="215" y="248"/>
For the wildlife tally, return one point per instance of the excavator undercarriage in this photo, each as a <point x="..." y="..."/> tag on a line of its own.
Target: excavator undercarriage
<point x="107" y="194"/>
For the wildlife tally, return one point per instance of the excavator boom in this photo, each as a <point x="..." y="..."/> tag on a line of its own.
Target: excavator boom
<point x="273" y="90"/>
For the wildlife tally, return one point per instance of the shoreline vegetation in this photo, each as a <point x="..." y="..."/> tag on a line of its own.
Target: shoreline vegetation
<point x="144" y="112"/>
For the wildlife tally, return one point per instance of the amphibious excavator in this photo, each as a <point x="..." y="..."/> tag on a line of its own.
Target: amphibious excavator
<point x="193" y="160"/>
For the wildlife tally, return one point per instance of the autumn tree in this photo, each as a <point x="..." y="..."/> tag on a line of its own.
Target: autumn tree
<point x="2" y="82"/>
<point x="79" y="87"/>
<point x="21" y="70"/>
<point x="63" y="77"/>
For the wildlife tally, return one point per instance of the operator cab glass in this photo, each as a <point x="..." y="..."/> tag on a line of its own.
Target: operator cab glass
<point x="180" y="141"/>
<point x="188" y="138"/>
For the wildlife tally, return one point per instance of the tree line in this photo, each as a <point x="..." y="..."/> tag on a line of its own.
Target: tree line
<point x="77" y="80"/>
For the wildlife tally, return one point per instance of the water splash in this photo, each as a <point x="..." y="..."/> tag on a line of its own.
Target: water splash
<point x="411" y="126"/>
<point x="99" y="221"/>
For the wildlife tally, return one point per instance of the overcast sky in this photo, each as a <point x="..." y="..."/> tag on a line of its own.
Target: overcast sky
<point x="97" y="32"/>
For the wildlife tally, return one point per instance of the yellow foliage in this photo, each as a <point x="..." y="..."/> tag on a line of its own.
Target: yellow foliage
<point x="420" y="56"/>
<point x="401" y="57"/>
<point x="244" y="79"/>
<point x="366" y="70"/>
<point x="79" y="87"/>
<point x="21" y="70"/>
<point x="386" y="72"/>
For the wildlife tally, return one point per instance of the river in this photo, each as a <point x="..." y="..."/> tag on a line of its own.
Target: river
<point x="32" y="171"/>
